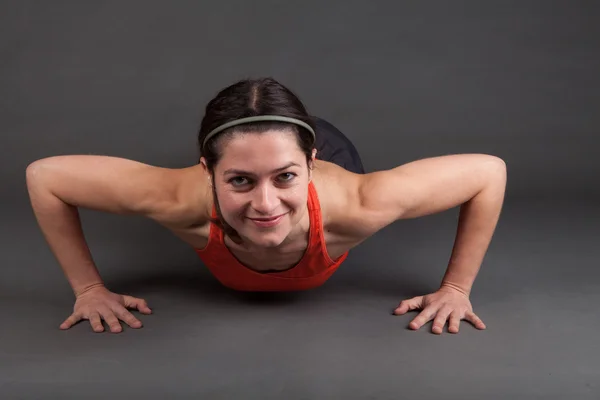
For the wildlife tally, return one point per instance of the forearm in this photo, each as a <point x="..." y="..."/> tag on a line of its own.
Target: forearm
<point x="61" y="226"/>
<point x="476" y="225"/>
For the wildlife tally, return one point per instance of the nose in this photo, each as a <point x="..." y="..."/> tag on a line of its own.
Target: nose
<point x="265" y="200"/>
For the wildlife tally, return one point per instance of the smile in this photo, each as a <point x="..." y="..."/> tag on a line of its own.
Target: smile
<point x="267" y="222"/>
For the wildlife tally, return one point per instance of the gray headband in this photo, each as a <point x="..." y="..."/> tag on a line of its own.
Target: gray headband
<point x="258" y="119"/>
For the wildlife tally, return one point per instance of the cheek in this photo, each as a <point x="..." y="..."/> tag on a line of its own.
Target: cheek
<point x="295" y="197"/>
<point x="297" y="205"/>
<point x="229" y="204"/>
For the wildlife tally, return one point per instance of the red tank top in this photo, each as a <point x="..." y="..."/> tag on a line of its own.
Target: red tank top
<point x="312" y="271"/>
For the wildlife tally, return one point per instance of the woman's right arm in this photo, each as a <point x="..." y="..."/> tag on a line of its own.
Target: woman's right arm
<point x="58" y="186"/>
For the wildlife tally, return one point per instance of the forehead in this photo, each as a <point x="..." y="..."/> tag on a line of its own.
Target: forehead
<point x="260" y="152"/>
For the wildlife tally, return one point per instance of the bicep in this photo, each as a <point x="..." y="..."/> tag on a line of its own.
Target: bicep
<point x="425" y="186"/>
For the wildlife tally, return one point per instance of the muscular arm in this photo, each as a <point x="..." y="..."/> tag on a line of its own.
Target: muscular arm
<point x="475" y="182"/>
<point x="59" y="186"/>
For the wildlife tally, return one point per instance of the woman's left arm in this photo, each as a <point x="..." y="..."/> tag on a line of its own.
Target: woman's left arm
<point x="476" y="183"/>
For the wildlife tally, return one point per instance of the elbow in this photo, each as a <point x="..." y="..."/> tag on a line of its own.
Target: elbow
<point x="38" y="168"/>
<point x="500" y="170"/>
<point x="36" y="176"/>
<point x="499" y="163"/>
<point x="496" y="179"/>
<point x="496" y="170"/>
<point x="33" y="172"/>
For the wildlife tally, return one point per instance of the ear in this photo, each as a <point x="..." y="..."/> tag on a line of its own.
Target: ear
<point x="312" y="163"/>
<point x="203" y="163"/>
<point x="205" y="169"/>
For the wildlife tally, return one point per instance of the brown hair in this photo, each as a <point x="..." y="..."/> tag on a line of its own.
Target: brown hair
<point x="249" y="98"/>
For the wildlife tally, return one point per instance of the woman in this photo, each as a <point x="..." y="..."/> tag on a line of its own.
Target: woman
<point x="275" y="204"/>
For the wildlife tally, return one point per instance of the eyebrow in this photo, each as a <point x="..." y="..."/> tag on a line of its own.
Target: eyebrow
<point x="242" y="172"/>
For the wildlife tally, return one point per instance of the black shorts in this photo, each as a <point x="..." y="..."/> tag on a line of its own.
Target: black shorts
<point x="333" y="146"/>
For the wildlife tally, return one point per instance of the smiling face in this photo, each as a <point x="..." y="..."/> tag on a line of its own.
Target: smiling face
<point x="261" y="182"/>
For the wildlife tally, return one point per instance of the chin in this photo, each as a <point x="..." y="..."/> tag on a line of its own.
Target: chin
<point x="267" y="242"/>
<point x="263" y="239"/>
<point x="270" y="237"/>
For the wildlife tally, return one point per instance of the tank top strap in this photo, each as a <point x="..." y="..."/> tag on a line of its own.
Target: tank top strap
<point x="317" y="244"/>
<point x="314" y="212"/>
<point x="215" y="235"/>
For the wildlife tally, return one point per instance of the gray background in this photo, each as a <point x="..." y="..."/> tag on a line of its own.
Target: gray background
<point x="404" y="80"/>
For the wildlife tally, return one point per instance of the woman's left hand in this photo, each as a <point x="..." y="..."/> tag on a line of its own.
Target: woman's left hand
<point x="447" y="304"/>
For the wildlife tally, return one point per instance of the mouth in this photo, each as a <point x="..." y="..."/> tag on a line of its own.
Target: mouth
<point x="267" y="222"/>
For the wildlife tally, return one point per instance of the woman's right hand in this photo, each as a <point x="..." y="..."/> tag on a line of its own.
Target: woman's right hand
<point x="99" y="304"/>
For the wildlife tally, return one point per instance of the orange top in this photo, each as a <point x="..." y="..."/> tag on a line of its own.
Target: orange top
<point x="312" y="271"/>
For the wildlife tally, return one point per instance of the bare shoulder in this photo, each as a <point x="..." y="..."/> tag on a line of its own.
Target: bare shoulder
<point x="348" y="217"/>
<point x="187" y="208"/>
<point x="188" y="202"/>
<point x="338" y="190"/>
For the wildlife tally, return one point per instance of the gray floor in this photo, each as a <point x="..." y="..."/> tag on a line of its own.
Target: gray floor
<point x="537" y="292"/>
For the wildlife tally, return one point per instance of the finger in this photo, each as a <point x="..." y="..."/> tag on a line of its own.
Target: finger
<point x="454" y="322"/>
<point x="425" y="316"/>
<point x="139" y="304"/>
<point x="408" y="305"/>
<point x="69" y="322"/>
<point x="440" y="320"/>
<point x="96" y="322"/>
<point x="111" y="320"/>
<point x="475" y="320"/>
<point x="128" y="317"/>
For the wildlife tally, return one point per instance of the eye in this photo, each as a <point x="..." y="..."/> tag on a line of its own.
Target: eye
<point x="287" y="176"/>
<point x="238" y="181"/>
